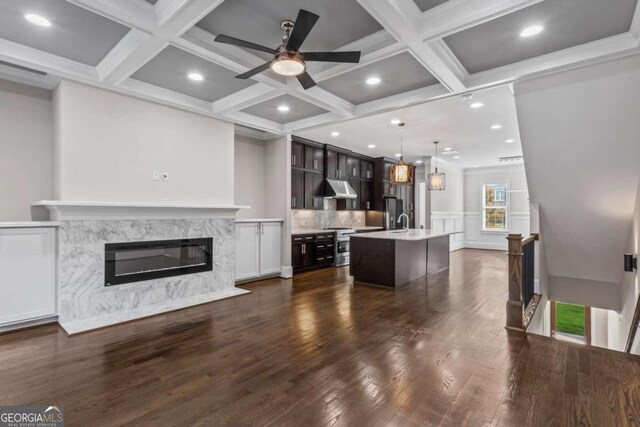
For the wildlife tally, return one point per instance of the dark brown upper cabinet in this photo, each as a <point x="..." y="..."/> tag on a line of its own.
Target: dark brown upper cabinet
<point x="336" y="165"/>
<point x="297" y="189"/>
<point x="353" y="167"/>
<point x="313" y="190"/>
<point x="314" y="158"/>
<point x="366" y="169"/>
<point x="297" y="155"/>
<point x="366" y="195"/>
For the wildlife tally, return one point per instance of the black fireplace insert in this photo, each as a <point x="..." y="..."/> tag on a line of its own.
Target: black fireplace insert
<point x="137" y="261"/>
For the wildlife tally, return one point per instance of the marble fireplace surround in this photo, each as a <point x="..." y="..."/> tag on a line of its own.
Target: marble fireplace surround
<point x="85" y="303"/>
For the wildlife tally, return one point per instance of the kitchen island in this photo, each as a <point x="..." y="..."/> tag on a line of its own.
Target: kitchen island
<point x="394" y="258"/>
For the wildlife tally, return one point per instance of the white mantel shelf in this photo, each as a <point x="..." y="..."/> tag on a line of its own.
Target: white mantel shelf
<point x="29" y="224"/>
<point x="80" y="210"/>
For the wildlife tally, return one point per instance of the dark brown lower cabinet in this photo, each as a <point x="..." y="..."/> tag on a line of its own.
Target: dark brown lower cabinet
<point x="311" y="251"/>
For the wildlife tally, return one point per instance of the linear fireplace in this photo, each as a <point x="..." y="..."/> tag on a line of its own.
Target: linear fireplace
<point x="137" y="261"/>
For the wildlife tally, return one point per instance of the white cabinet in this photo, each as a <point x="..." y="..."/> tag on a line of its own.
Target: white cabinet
<point x="258" y="249"/>
<point x="27" y="274"/>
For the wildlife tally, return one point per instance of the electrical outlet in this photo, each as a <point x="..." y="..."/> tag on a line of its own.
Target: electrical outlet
<point x="165" y="200"/>
<point x="156" y="175"/>
<point x="165" y="176"/>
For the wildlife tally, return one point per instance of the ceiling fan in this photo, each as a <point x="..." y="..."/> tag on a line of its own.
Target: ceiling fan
<point x="287" y="58"/>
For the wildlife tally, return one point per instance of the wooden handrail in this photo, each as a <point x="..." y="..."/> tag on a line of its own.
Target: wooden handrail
<point x="635" y="323"/>
<point x="519" y="311"/>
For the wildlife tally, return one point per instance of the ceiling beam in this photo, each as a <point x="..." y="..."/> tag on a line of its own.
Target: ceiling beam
<point x="588" y="53"/>
<point x="393" y="16"/>
<point x="245" y="98"/>
<point x="458" y="15"/>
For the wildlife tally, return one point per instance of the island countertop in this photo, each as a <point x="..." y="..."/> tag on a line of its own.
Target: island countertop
<point x="413" y="234"/>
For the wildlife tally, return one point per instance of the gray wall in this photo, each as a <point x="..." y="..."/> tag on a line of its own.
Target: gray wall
<point x="26" y="126"/>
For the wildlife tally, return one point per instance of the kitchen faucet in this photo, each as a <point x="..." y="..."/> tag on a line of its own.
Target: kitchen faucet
<point x="405" y="229"/>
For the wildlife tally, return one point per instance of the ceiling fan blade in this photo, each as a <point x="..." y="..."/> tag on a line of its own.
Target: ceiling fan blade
<point x="243" y="43"/>
<point x="352" y="56"/>
<point x="254" y="71"/>
<point x="305" y="80"/>
<point x="301" y="29"/>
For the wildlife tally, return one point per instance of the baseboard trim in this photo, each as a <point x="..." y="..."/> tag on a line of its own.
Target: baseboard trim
<point x="286" y="272"/>
<point x="28" y="324"/>
<point x="489" y="246"/>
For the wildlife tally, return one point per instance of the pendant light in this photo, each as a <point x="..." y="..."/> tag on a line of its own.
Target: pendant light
<point x="401" y="172"/>
<point x="436" y="179"/>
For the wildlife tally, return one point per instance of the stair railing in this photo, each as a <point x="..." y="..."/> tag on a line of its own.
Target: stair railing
<point x="523" y="300"/>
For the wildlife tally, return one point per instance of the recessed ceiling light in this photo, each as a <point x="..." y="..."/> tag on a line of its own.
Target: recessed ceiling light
<point x="196" y="77"/>
<point x="477" y="105"/>
<point x="38" y="20"/>
<point x="395" y="121"/>
<point x="448" y="149"/>
<point x="283" y="108"/>
<point x="475" y="166"/>
<point x="509" y="141"/>
<point x="456" y="157"/>
<point x="531" y="31"/>
<point x="371" y="146"/>
<point x="418" y="161"/>
<point x="398" y="155"/>
<point x="495" y="127"/>
<point x="372" y="81"/>
<point x="335" y="133"/>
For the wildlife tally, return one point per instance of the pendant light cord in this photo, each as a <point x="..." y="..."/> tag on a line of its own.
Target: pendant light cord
<point x="436" y="142"/>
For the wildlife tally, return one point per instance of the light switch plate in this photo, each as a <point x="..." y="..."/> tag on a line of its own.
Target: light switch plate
<point x="156" y="175"/>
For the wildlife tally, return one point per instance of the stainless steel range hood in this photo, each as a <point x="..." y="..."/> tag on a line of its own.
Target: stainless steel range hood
<point x="335" y="189"/>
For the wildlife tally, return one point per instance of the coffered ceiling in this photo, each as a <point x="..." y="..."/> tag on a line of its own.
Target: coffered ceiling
<point x="420" y="50"/>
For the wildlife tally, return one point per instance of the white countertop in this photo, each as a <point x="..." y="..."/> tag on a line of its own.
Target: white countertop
<point x="413" y="234"/>
<point x="259" y="220"/>
<point x="296" y="231"/>
<point x="29" y="224"/>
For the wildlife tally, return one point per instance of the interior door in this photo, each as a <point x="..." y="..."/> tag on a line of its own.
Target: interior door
<point x="247" y="250"/>
<point x="270" y="247"/>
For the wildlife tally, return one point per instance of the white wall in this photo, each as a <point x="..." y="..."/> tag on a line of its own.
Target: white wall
<point x="620" y="323"/>
<point x="250" y="176"/>
<point x="26" y="162"/>
<point x="447" y="206"/>
<point x="278" y="191"/>
<point x="107" y="146"/>
<point x="580" y="136"/>
<point x="518" y="220"/>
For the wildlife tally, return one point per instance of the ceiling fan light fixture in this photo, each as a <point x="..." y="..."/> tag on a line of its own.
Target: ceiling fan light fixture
<point x="288" y="64"/>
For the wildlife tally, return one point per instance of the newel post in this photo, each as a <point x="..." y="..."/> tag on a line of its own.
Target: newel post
<point x="515" y="308"/>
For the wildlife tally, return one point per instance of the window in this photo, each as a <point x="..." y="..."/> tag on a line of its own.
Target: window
<point x="494" y="207"/>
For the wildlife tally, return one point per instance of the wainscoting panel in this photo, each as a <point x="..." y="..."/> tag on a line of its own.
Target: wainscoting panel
<point x="450" y="222"/>
<point x="476" y="238"/>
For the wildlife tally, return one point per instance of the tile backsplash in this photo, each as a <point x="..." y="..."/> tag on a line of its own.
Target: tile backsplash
<point x="329" y="217"/>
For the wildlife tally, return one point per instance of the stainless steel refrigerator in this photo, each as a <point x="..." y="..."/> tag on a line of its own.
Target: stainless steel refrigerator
<point x="392" y="210"/>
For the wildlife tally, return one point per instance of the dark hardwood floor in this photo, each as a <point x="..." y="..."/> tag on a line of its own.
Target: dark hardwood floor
<point x="321" y="351"/>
